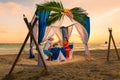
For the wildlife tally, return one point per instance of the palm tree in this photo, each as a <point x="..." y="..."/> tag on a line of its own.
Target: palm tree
<point x="57" y="11"/>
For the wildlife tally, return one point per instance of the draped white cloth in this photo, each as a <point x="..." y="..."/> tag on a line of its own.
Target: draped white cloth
<point x="34" y="33"/>
<point x="52" y="30"/>
<point x="83" y="35"/>
<point x="82" y="32"/>
<point x="34" y="30"/>
<point x="59" y="35"/>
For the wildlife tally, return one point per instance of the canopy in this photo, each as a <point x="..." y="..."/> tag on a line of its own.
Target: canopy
<point x="45" y="32"/>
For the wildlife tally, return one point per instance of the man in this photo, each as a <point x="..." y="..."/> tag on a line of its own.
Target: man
<point x="47" y="47"/>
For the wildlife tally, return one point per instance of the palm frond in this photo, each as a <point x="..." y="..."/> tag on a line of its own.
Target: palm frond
<point x="53" y="18"/>
<point x="78" y="10"/>
<point x="79" y="14"/>
<point x="57" y="7"/>
<point x="80" y="20"/>
<point x="51" y="6"/>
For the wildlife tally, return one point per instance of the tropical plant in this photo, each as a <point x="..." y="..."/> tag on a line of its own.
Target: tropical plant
<point x="57" y="11"/>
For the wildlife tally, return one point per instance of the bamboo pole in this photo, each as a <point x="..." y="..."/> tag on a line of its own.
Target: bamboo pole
<point x="115" y="48"/>
<point x="111" y="37"/>
<point x="28" y="26"/>
<point x="109" y="44"/>
<point x="22" y="47"/>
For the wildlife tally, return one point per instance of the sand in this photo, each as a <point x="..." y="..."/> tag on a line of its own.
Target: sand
<point x="76" y="69"/>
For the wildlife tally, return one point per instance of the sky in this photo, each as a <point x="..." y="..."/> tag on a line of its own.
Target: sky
<point x="102" y="13"/>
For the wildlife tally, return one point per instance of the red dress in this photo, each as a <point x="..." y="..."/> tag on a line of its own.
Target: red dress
<point x="67" y="48"/>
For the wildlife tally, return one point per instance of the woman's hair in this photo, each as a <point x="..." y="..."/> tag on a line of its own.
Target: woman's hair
<point x="66" y="38"/>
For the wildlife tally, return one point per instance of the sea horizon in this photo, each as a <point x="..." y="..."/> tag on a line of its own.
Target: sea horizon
<point x="13" y="48"/>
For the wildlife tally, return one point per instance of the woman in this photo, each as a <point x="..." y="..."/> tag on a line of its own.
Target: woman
<point x="67" y="47"/>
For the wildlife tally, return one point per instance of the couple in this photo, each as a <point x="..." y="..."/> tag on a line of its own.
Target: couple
<point x="51" y="50"/>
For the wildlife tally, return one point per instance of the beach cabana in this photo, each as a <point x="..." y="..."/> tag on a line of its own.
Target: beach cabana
<point x="45" y="15"/>
<point x="50" y="12"/>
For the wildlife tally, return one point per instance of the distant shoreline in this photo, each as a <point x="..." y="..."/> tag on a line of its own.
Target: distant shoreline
<point x="98" y="50"/>
<point x="13" y="48"/>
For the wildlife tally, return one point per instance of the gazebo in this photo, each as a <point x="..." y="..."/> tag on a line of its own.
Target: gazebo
<point x="45" y="15"/>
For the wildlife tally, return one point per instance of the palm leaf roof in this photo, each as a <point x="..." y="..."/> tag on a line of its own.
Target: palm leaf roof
<point x="57" y="10"/>
<point x="51" y="6"/>
<point x="79" y="15"/>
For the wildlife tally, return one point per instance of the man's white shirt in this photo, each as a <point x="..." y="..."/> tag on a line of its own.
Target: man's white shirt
<point x="48" y="44"/>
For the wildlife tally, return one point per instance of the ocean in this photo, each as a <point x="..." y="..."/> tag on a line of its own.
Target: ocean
<point x="15" y="47"/>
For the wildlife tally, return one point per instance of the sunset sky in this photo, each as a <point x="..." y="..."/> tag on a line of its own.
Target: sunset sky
<point x="102" y="13"/>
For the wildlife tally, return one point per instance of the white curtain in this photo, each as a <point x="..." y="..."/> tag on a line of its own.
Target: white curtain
<point x="87" y="52"/>
<point x="34" y="31"/>
<point x="59" y="35"/>
<point x="83" y="35"/>
<point x="40" y="63"/>
<point x="51" y="30"/>
<point x="34" y="34"/>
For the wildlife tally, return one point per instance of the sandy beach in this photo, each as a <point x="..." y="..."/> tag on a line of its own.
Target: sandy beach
<point x="76" y="69"/>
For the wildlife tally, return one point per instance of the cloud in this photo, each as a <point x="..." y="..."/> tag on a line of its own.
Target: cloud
<point x="94" y="7"/>
<point x="21" y="2"/>
<point x="14" y="9"/>
<point x="9" y="8"/>
<point x="108" y="15"/>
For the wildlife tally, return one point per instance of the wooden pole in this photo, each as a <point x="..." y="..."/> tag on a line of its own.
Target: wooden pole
<point x="21" y="49"/>
<point x="115" y="48"/>
<point x="109" y="44"/>
<point x="111" y="37"/>
<point x="28" y="26"/>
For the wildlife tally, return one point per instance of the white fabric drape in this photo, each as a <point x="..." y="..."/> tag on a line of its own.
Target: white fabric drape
<point x="71" y="54"/>
<point x="87" y="52"/>
<point x="34" y="34"/>
<point x="59" y="35"/>
<point x="34" y="30"/>
<point x="83" y="35"/>
<point x="40" y="63"/>
<point x="51" y="30"/>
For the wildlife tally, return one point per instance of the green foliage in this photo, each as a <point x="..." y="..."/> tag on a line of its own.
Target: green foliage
<point x="56" y="9"/>
<point x="53" y="18"/>
<point x="51" y="6"/>
<point x="79" y="14"/>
